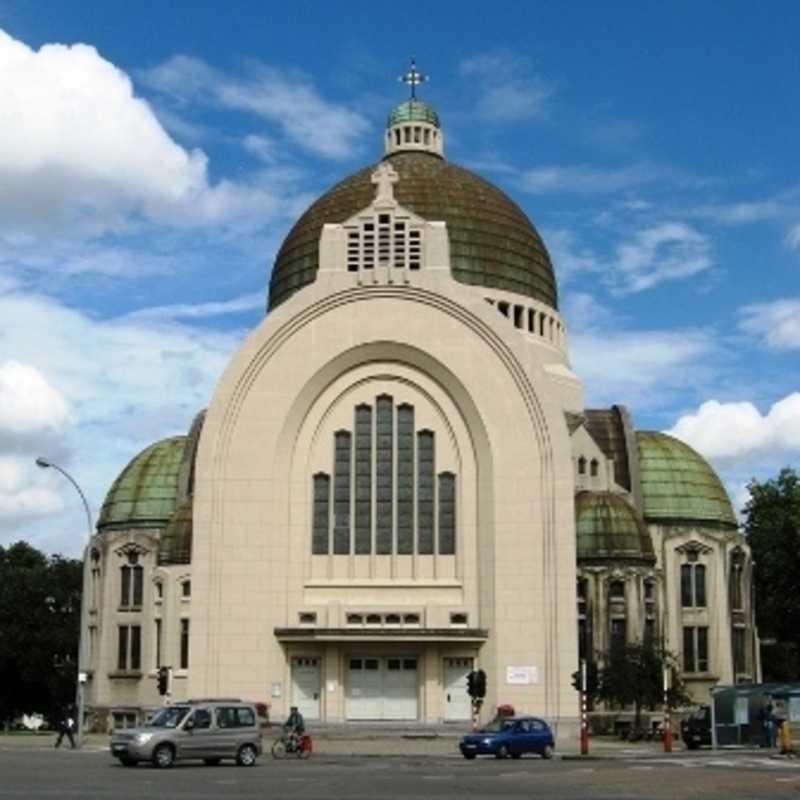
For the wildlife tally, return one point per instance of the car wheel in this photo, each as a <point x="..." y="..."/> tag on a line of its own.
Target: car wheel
<point x="469" y="756"/>
<point x="163" y="756"/>
<point x="502" y="752"/>
<point x="128" y="762"/>
<point x="692" y="746"/>
<point x="516" y="755"/>
<point x="547" y="751"/>
<point x="211" y="762"/>
<point x="246" y="756"/>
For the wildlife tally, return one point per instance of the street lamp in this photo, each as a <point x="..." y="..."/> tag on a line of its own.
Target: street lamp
<point x="45" y="464"/>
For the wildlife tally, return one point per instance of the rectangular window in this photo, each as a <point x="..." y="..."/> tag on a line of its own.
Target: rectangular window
<point x="686" y="586"/>
<point x="138" y="586"/>
<point x="739" y="651"/>
<point x="688" y="650"/>
<point x="405" y="479"/>
<point x="649" y="630"/>
<point x="702" y="649"/>
<point x="341" y="493"/>
<point x="693" y="585"/>
<point x="447" y="514"/>
<point x="131" y="586"/>
<point x="129" y="647"/>
<point x="158" y="626"/>
<point x="617" y="633"/>
<point x="695" y="649"/>
<point x="425" y="494"/>
<point x="700" y="585"/>
<point x="321" y="512"/>
<point x="184" y="662"/>
<point x="363" y="490"/>
<point x="384" y="467"/>
<point x="125" y="586"/>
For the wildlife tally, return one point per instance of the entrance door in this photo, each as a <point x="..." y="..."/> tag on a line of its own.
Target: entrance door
<point x="382" y="688"/>
<point x="457" y="703"/>
<point x="306" y="686"/>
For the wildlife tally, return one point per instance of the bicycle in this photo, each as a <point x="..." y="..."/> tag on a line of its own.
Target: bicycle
<point x="300" y="746"/>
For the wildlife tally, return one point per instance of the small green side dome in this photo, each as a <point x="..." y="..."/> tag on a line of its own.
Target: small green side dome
<point x="413" y="111"/>
<point x="678" y="484"/>
<point x="607" y="527"/>
<point x="175" y="545"/>
<point x="144" y="495"/>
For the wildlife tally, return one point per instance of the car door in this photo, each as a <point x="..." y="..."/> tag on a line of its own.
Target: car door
<point x="539" y="736"/>
<point x="199" y="741"/>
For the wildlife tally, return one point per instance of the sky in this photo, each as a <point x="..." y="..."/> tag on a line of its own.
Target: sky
<point x="154" y="155"/>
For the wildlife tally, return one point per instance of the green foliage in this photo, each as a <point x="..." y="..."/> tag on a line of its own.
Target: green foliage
<point x="773" y="533"/>
<point x="633" y="675"/>
<point x="40" y="602"/>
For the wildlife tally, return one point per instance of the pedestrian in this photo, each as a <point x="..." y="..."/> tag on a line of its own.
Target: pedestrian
<point x="767" y="719"/>
<point x="65" y="727"/>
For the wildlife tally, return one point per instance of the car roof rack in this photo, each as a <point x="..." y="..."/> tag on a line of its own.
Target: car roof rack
<point x="214" y="700"/>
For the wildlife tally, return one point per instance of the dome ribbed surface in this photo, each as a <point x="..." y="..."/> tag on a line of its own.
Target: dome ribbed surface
<point x="492" y="242"/>
<point x="144" y="495"/>
<point x="678" y="484"/>
<point x="175" y="544"/>
<point x="412" y="111"/>
<point x="607" y="527"/>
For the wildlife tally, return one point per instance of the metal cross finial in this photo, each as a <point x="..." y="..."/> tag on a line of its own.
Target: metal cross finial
<point x="413" y="78"/>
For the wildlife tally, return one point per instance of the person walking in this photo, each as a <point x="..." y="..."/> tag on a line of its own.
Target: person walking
<point x="65" y="727"/>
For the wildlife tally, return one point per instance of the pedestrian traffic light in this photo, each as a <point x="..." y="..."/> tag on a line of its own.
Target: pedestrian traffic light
<point x="576" y="680"/>
<point x="480" y="684"/>
<point x="163" y="680"/>
<point x="472" y="684"/>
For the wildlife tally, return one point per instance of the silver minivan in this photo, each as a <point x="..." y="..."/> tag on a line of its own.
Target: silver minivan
<point x="207" y="730"/>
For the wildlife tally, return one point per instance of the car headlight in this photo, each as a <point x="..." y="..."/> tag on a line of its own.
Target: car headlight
<point x="143" y="738"/>
<point x="486" y="741"/>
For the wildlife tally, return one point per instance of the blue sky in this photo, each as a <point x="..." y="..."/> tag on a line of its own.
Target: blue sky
<point x="153" y="156"/>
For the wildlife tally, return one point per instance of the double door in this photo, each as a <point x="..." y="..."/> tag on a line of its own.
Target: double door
<point x="382" y="688"/>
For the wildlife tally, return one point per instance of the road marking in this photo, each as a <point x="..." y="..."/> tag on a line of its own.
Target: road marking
<point x="642" y="769"/>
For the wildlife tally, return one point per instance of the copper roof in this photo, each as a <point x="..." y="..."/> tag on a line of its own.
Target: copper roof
<point x="492" y="242"/>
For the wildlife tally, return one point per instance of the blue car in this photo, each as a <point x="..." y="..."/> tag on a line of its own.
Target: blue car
<point x="510" y="737"/>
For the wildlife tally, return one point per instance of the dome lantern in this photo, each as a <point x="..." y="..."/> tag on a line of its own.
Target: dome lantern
<point x="414" y="125"/>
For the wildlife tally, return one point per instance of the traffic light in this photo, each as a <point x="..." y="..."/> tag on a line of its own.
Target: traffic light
<point x="163" y="680"/>
<point x="472" y="683"/>
<point x="576" y="680"/>
<point x="480" y="684"/>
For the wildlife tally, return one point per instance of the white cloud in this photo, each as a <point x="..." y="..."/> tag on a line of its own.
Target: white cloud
<point x="129" y="383"/>
<point x="643" y="369"/>
<point x="585" y="179"/>
<point x="569" y="258"/>
<point x="28" y="403"/>
<point x="85" y="153"/>
<point x="508" y="92"/>
<point x="248" y="302"/>
<point x="668" y="251"/>
<point x="793" y="237"/>
<point x="287" y="99"/>
<point x="777" y="323"/>
<point x="741" y="213"/>
<point x="738" y="431"/>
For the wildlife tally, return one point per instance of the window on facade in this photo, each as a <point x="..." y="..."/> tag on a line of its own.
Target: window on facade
<point x="411" y="619"/>
<point x="693" y="585"/>
<point x="131" y="584"/>
<point x="616" y="590"/>
<point x="393" y="502"/>
<point x="581" y="466"/>
<point x="129" y="647"/>
<point x="363" y="488"/>
<point x="737" y="577"/>
<point x="392" y="619"/>
<point x="373" y="619"/>
<point x="739" y="635"/>
<point x="649" y="634"/>
<point x="159" y="586"/>
<point x="355" y="619"/>
<point x="458" y="619"/>
<point x="308" y="618"/>
<point x="384" y="490"/>
<point x="617" y="633"/>
<point x="695" y="649"/>
<point x="157" y="648"/>
<point x="184" y="647"/>
<point x="341" y="492"/>
<point x="186" y="589"/>
<point x="593" y="467"/>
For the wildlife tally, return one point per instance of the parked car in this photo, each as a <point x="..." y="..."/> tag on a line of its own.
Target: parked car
<point x="208" y="730"/>
<point x="510" y="737"/>
<point x="696" y="728"/>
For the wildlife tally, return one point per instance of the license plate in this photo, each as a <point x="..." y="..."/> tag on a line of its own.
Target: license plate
<point x="118" y="747"/>
<point x="695" y="738"/>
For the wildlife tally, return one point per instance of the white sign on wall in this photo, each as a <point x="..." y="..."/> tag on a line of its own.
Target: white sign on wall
<point x="794" y="709"/>
<point x="742" y="713"/>
<point x="522" y="674"/>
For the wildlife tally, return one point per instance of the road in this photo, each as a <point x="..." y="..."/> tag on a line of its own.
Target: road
<point x="65" y="774"/>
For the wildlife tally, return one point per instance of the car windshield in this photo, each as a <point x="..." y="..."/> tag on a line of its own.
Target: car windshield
<point x="169" y="717"/>
<point x="497" y="725"/>
<point x="700" y="715"/>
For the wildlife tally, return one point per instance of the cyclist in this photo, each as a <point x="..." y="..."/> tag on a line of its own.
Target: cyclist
<point x="293" y="729"/>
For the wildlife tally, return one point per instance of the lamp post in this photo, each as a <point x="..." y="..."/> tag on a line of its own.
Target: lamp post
<point x="45" y="464"/>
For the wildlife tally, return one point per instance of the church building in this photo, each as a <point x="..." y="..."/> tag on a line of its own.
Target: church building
<point x="397" y="481"/>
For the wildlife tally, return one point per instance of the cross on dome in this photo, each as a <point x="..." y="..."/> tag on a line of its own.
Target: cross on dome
<point x="413" y="78"/>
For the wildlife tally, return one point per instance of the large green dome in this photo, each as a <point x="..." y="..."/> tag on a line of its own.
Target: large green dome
<point x="144" y="495"/>
<point x="607" y="527"/>
<point x="492" y="242"/>
<point x="678" y="484"/>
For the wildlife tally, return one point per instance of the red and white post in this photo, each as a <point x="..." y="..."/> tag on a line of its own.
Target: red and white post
<point x="584" y="718"/>
<point x="667" y="715"/>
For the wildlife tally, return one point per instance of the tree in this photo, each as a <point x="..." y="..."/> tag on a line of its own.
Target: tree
<point x="633" y="675"/>
<point x="773" y="533"/>
<point x="40" y="603"/>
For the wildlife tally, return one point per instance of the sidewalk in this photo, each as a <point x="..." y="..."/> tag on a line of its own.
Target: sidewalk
<point x="392" y="740"/>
